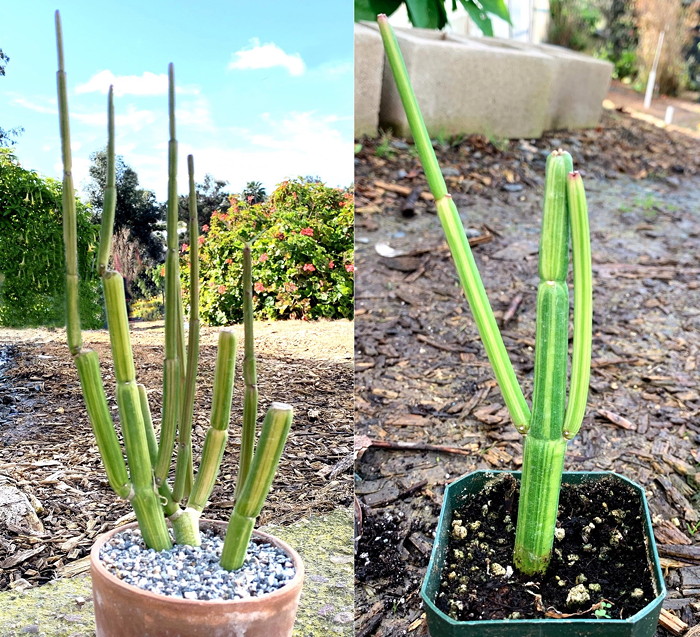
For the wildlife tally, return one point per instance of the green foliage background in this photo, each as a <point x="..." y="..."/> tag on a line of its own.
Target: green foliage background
<point x="302" y="248"/>
<point x="32" y="264"/>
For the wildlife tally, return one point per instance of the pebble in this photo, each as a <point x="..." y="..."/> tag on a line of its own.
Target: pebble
<point x="193" y="572"/>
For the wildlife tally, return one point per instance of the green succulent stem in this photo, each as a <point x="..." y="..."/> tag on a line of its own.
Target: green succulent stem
<point x="101" y="420"/>
<point x="110" y="193"/>
<point x="456" y="239"/>
<point x="273" y="436"/>
<point x="583" y="306"/>
<point x="545" y="446"/>
<point x="183" y="471"/>
<point x="70" y="234"/>
<point x="552" y="421"/>
<point x="172" y="376"/>
<point x="215" y="440"/>
<point x="145" y="499"/>
<point x="250" y="398"/>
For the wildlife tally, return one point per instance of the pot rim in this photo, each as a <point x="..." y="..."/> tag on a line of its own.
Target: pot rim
<point x="283" y="591"/>
<point x="657" y="576"/>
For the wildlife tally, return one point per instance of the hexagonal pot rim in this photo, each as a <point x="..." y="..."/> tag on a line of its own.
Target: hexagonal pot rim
<point x="572" y="477"/>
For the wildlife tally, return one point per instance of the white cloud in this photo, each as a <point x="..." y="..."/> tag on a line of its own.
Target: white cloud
<point x="146" y="84"/>
<point x="134" y="119"/>
<point x="267" y="56"/>
<point x="38" y="108"/>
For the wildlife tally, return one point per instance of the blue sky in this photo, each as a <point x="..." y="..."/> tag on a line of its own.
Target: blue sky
<point x="265" y="88"/>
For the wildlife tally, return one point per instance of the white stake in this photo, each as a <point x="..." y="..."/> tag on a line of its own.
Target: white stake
<point x="669" y="115"/>
<point x="652" y="76"/>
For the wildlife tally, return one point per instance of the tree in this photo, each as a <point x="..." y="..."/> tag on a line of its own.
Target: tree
<point x="7" y="135"/>
<point x="432" y="14"/>
<point x="137" y="208"/>
<point x="32" y="265"/>
<point x="254" y="192"/>
<point x="211" y="195"/>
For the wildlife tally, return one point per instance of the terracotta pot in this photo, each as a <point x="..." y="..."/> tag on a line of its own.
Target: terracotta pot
<point x="123" y="610"/>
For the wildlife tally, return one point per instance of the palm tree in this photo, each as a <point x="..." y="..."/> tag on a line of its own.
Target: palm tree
<point x="254" y="192"/>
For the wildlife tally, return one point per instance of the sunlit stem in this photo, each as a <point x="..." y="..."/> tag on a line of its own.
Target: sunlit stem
<point x="583" y="306"/>
<point x="457" y="239"/>
<point x="215" y="440"/>
<point x="250" y="398"/>
<point x="273" y="436"/>
<point x="101" y="420"/>
<point x="110" y="194"/>
<point x="86" y="361"/>
<point x="183" y="472"/>
<point x="173" y="326"/>
<point x="70" y="235"/>
<point x="145" y="499"/>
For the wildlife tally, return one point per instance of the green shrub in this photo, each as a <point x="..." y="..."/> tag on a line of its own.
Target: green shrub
<point x="151" y="309"/>
<point x="302" y="247"/>
<point x="32" y="270"/>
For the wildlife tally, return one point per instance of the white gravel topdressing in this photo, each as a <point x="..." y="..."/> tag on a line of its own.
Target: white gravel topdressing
<point x="193" y="572"/>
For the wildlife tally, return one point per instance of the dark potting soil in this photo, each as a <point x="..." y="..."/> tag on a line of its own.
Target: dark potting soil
<point x="598" y="566"/>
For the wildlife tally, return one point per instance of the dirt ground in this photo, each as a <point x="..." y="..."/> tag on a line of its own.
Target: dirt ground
<point x="427" y="407"/>
<point x="47" y="448"/>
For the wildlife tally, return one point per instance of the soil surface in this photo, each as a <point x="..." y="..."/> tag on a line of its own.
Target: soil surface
<point x="427" y="407"/>
<point x="47" y="448"/>
<point x="598" y="565"/>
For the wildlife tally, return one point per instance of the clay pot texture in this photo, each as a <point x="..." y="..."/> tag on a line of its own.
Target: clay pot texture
<point x="123" y="610"/>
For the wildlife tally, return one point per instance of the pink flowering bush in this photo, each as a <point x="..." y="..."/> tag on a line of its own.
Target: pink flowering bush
<point x="302" y="248"/>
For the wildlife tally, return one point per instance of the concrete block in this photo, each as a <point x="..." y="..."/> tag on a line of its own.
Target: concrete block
<point x="580" y="84"/>
<point x="464" y="85"/>
<point x="369" y="63"/>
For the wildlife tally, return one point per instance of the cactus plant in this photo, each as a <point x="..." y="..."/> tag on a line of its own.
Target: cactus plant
<point x="553" y="420"/>
<point x="143" y="478"/>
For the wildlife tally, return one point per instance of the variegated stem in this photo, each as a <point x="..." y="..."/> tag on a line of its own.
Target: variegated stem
<point x="183" y="472"/>
<point x="215" y="440"/>
<point x="109" y="202"/>
<point x="457" y="239"/>
<point x="148" y="424"/>
<point x="250" y="398"/>
<point x="101" y="419"/>
<point x="70" y="235"/>
<point x="86" y="361"/>
<point x="273" y="436"/>
<point x="543" y="454"/>
<point x="145" y="498"/>
<point x="583" y="306"/>
<point x="173" y="326"/>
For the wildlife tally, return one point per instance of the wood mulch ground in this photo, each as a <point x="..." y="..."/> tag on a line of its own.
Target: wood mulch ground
<point x="47" y="447"/>
<point x="427" y="407"/>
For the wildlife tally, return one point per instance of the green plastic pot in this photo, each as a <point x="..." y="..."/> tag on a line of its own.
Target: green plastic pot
<point x="643" y="624"/>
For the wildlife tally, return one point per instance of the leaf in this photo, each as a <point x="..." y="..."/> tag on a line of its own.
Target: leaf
<point x="478" y="16"/>
<point x="369" y="9"/>
<point x="427" y="14"/>
<point x="497" y="8"/>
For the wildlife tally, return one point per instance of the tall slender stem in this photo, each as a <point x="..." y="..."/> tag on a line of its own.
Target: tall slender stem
<point x="172" y="365"/>
<point x="250" y="399"/>
<point x="183" y="471"/>
<point x="70" y="235"/>
<point x="583" y="306"/>
<point x="109" y="202"/>
<point x="456" y="239"/>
